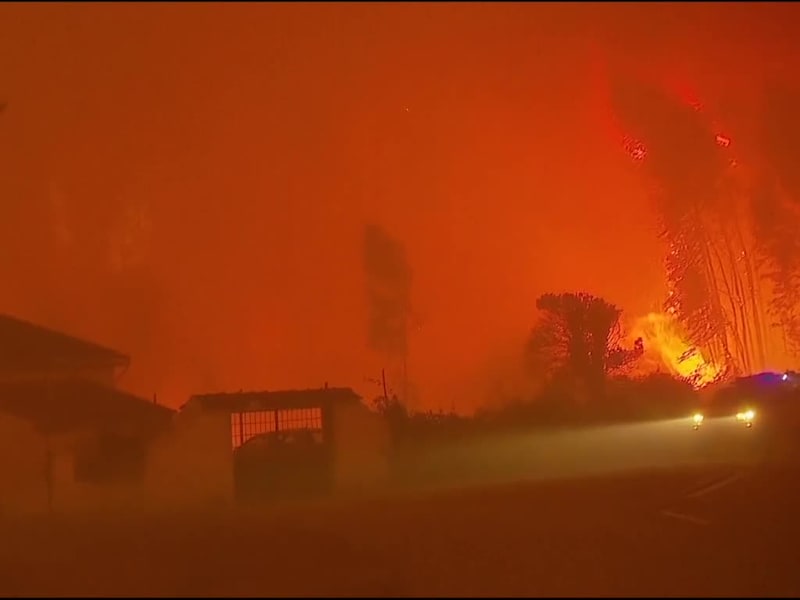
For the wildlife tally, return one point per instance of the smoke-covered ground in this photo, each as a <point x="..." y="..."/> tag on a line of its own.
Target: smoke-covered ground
<point x="700" y="525"/>
<point x="579" y="453"/>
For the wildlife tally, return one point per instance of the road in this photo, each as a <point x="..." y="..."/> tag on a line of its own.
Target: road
<point x="590" y="452"/>
<point x="703" y="529"/>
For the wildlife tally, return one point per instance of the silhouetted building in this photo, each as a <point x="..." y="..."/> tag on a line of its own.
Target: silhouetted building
<point x="32" y="352"/>
<point x="64" y="427"/>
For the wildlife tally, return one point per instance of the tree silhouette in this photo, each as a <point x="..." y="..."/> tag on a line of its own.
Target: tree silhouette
<point x="776" y="210"/>
<point x="579" y="337"/>
<point x="388" y="282"/>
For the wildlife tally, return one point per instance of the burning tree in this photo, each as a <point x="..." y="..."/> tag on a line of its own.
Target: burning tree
<point x="712" y="278"/>
<point x="579" y="336"/>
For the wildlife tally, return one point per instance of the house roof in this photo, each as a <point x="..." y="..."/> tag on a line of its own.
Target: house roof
<point x="26" y="346"/>
<point x="70" y="405"/>
<point x="276" y="400"/>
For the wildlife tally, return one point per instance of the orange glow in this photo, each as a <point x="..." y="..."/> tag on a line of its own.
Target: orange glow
<point x="664" y="347"/>
<point x="213" y="232"/>
<point x="636" y="149"/>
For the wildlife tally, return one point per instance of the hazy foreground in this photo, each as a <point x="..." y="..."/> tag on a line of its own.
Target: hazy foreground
<point x="604" y="535"/>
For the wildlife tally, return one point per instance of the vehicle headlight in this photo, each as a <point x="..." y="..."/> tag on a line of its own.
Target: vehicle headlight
<point x="747" y="415"/>
<point x="697" y="418"/>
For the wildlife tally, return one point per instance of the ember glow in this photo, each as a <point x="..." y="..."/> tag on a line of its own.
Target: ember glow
<point x="636" y="149"/>
<point x="666" y="348"/>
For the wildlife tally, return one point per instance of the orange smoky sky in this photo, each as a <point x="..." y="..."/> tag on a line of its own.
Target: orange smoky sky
<point x="190" y="183"/>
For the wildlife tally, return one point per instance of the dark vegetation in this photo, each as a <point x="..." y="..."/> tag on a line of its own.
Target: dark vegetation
<point x="575" y="348"/>
<point x="626" y="399"/>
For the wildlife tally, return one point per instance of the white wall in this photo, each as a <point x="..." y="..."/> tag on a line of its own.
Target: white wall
<point x="188" y="467"/>
<point x="23" y="487"/>
<point x="71" y="496"/>
<point x="361" y="449"/>
<point x="192" y="464"/>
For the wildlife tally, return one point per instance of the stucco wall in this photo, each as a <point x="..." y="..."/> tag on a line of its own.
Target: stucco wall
<point x="192" y="464"/>
<point x="188" y="467"/>
<point x="23" y="486"/>
<point x="361" y="449"/>
<point x="23" y="483"/>
<point x="71" y="496"/>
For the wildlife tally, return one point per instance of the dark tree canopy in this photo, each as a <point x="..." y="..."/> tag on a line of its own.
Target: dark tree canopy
<point x="388" y="291"/>
<point x="682" y="154"/>
<point x="579" y="337"/>
<point x="776" y="210"/>
<point x="781" y="136"/>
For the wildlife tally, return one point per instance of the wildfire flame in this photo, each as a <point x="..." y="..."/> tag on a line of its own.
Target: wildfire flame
<point x="664" y="347"/>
